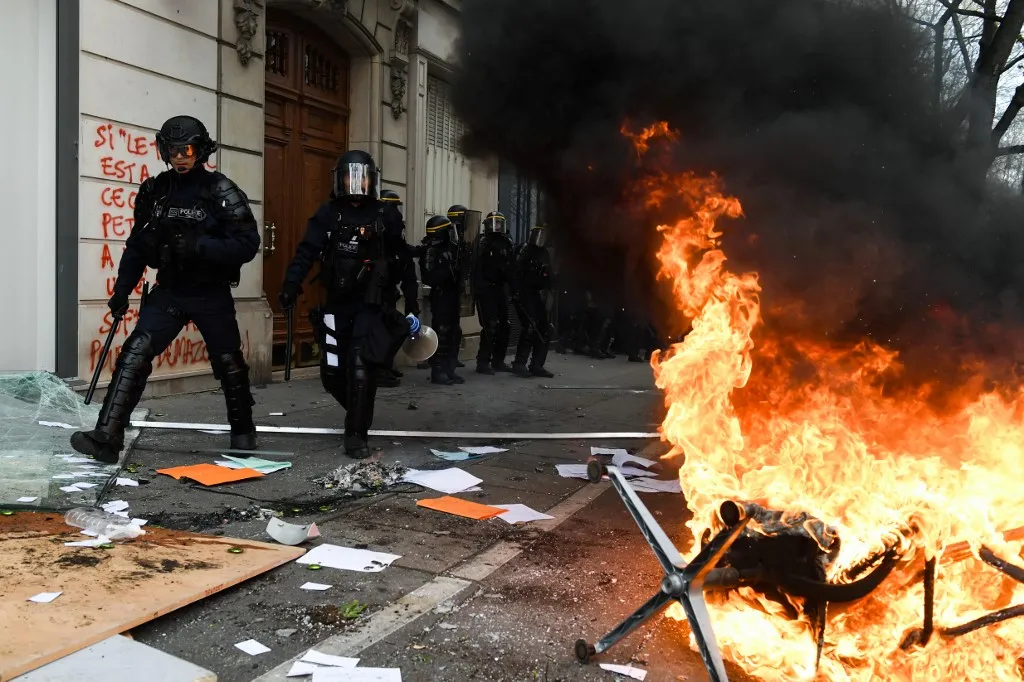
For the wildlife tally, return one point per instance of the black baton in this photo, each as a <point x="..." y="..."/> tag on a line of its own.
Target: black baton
<point x="289" y="323"/>
<point x="116" y="322"/>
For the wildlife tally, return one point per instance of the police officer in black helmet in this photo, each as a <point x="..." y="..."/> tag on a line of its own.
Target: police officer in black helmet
<point x="532" y="288"/>
<point x="492" y="274"/>
<point x="439" y="269"/>
<point x="402" y="270"/>
<point x="358" y="333"/>
<point x="195" y="227"/>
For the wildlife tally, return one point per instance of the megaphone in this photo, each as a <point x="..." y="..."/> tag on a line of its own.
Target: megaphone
<point x="421" y="345"/>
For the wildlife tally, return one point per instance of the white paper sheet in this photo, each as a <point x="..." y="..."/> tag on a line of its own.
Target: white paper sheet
<point x="71" y="488"/>
<point x="45" y="597"/>
<point x="650" y="485"/>
<point x="629" y="671"/>
<point x="84" y="486"/>
<point x="27" y="499"/>
<point x="482" y="450"/>
<point x="348" y="559"/>
<point x="252" y="647"/>
<point x="448" y="481"/>
<point x="59" y="425"/>
<point x="572" y="470"/>
<point x="332" y="359"/>
<point x="127" y="481"/>
<point x="313" y="656"/>
<point x="95" y="542"/>
<point x="78" y="460"/>
<point x="451" y="456"/>
<point x="63" y="476"/>
<point x="632" y="472"/>
<point x="314" y="586"/>
<point x="357" y="675"/>
<point x="621" y="457"/>
<point x="115" y="506"/>
<point x="520" y="513"/>
<point x="300" y="669"/>
<point x="608" y="451"/>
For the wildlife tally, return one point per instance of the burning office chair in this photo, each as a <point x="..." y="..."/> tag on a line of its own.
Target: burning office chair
<point x="683" y="582"/>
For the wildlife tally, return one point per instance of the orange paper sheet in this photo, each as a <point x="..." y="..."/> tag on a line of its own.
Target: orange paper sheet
<point x="210" y="474"/>
<point x="453" y="505"/>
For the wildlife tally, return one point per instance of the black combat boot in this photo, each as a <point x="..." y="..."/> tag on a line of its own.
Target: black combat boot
<point x="520" y="370"/>
<point x="233" y="373"/>
<point x="541" y="372"/>
<point x="483" y="368"/>
<point x="356" y="446"/>
<point x="134" y="364"/>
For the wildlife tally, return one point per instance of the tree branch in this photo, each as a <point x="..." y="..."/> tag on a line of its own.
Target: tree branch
<point x="1012" y="109"/>
<point x="948" y="4"/>
<point x="1011" y="150"/>
<point x="958" y="30"/>
<point x="1013" y="62"/>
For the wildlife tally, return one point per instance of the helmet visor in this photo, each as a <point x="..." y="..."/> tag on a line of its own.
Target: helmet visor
<point x="539" y="237"/>
<point x="353" y="179"/>
<point x="495" y="223"/>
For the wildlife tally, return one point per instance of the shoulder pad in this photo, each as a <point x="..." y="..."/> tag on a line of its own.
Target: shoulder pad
<point x="229" y="200"/>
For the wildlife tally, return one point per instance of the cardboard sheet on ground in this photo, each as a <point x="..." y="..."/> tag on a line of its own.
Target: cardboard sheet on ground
<point x="447" y="481"/>
<point x="33" y="453"/>
<point x="453" y="505"/>
<point x="210" y="474"/>
<point x="107" y="591"/>
<point x="348" y="559"/>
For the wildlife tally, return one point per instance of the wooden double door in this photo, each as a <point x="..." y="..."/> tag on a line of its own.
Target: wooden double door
<point x="306" y="114"/>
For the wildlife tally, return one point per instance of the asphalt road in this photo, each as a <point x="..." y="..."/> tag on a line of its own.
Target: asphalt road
<point x="468" y="600"/>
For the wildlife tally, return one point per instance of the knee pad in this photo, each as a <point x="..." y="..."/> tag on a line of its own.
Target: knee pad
<point x="228" y="365"/>
<point x="136" y="351"/>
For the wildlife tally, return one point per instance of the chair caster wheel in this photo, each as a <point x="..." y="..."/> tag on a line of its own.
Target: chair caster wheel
<point x="595" y="470"/>
<point x="584" y="651"/>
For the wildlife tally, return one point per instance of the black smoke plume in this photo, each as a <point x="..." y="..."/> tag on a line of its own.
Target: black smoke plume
<point x="861" y="211"/>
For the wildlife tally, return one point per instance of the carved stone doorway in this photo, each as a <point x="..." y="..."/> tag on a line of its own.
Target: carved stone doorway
<point x="306" y="114"/>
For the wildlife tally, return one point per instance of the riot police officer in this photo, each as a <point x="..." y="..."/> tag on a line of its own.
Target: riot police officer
<point x="195" y="227"/>
<point x="402" y="269"/>
<point x="492" y="272"/>
<point x="357" y="332"/>
<point x="439" y="270"/>
<point x="457" y="214"/>
<point x="532" y="287"/>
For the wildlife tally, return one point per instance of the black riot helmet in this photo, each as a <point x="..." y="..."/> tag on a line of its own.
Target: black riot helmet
<point x="538" y="237"/>
<point x="494" y="222"/>
<point x="392" y="202"/>
<point x="457" y="214"/>
<point x="440" y="230"/>
<point x="185" y="134"/>
<point x="355" y="176"/>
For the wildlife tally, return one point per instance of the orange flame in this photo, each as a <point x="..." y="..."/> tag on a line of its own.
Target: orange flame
<point x="873" y="466"/>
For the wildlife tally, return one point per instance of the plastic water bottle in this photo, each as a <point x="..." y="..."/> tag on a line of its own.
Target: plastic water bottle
<point x="103" y="523"/>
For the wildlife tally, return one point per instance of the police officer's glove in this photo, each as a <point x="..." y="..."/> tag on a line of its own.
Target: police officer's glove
<point x="118" y="303"/>
<point x="289" y="295"/>
<point x="183" y="245"/>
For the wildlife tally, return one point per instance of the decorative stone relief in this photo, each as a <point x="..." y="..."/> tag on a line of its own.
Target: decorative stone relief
<point x="247" y="16"/>
<point x="399" y="83"/>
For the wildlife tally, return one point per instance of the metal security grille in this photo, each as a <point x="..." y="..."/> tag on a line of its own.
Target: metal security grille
<point x="448" y="171"/>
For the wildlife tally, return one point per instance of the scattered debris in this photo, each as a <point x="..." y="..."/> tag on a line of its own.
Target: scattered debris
<point x="45" y="597"/>
<point x="210" y="474"/>
<point x="464" y="508"/>
<point x="364" y="477"/>
<point x="449" y="481"/>
<point x="628" y="671"/>
<point x="291" y="533"/>
<point x="314" y="586"/>
<point x="348" y="558"/>
<point x="286" y="632"/>
<point x="520" y="513"/>
<point x="252" y="647"/>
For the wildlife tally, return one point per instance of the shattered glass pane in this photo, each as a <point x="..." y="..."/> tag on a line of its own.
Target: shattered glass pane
<point x="38" y="414"/>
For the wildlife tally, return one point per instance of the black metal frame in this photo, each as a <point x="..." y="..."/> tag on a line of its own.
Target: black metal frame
<point x="686" y="582"/>
<point x="683" y="582"/>
<point x="66" y="164"/>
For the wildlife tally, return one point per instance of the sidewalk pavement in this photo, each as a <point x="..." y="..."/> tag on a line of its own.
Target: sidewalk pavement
<point x="525" y="591"/>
